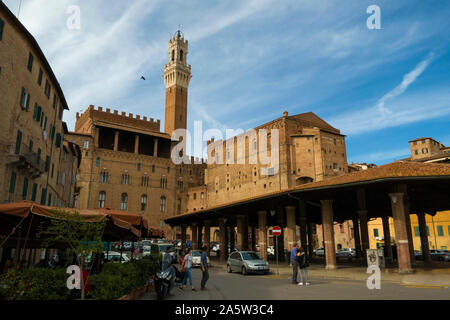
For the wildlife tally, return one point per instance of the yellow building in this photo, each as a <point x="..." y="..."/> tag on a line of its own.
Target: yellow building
<point x="438" y="228"/>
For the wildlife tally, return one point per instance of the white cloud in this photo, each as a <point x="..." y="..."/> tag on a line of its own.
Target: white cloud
<point x="377" y="157"/>
<point x="408" y="79"/>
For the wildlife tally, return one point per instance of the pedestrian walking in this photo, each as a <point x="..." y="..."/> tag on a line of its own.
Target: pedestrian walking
<point x="187" y="265"/>
<point x="294" y="254"/>
<point x="204" y="266"/>
<point x="303" y="264"/>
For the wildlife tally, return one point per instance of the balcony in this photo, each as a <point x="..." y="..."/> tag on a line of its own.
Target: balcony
<point x="26" y="160"/>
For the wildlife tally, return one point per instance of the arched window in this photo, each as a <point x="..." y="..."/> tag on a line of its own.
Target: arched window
<point x="162" y="204"/>
<point x="143" y="202"/>
<point x="181" y="55"/>
<point x="173" y="55"/>
<point x="101" y="199"/>
<point x="123" y="201"/>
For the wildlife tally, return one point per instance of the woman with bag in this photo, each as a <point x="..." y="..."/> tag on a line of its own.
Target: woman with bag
<point x="186" y="267"/>
<point x="303" y="264"/>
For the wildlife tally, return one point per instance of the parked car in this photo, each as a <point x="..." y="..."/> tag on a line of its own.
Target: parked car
<point x="196" y="258"/>
<point x="346" y="252"/>
<point x="440" y="255"/>
<point x="158" y="250"/>
<point x="247" y="262"/>
<point x="114" y="257"/>
<point x="417" y="255"/>
<point x="320" y="252"/>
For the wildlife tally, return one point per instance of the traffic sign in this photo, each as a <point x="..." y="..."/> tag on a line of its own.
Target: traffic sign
<point x="276" y="231"/>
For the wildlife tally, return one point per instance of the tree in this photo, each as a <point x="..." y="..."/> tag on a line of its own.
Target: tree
<point x="82" y="238"/>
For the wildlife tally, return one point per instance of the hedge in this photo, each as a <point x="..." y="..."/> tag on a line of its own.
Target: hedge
<point x="115" y="281"/>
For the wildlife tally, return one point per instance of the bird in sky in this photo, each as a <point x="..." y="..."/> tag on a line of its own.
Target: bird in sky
<point x="143" y="78"/>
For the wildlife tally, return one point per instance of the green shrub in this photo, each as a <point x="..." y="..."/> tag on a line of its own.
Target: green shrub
<point x="117" y="280"/>
<point x="35" y="284"/>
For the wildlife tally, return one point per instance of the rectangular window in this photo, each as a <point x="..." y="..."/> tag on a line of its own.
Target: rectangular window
<point x="86" y="145"/>
<point x="58" y="140"/>
<point x="34" y="192"/>
<point x="53" y="169"/>
<point x="30" y="62"/>
<point x="25" y="100"/>
<point x="39" y="113"/>
<point x="52" y="132"/>
<point x="18" y="141"/>
<point x="12" y="183"/>
<point x="31" y="146"/>
<point x="40" y="77"/>
<point x="43" y="196"/>
<point x="440" y="231"/>
<point x="416" y="232"/>
<point x="54" y="101"/>
<point x="39" y="156"/>
<point x="47" y="163"/>
<point x="2" y="26"/>
<point x="375" y="233"/>
<point x="25" y="189"/>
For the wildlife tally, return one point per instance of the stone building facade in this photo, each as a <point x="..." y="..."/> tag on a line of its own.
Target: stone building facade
<point x="36" y="163"/>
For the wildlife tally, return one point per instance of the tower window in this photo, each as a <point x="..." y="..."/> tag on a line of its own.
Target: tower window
<point x="173" y="55"/>
<point x="181" y="55"/>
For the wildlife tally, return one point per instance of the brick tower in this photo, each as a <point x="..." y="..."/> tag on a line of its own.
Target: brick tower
<point x="177" y="75"/>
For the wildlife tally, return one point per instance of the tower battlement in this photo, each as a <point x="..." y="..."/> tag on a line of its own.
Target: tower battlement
<point x="106" y="115"/>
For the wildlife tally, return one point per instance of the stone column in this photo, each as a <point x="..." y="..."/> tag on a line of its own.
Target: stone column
<point x="310" y="239"/>
<point x="365" y="244"/>
<point x="401" y="233"/>
<point x="232" y="238"/>
<point x="194" y="235"/>
<point x="242" y="233"/>
<point x="291" y="227"/>
<point x="262" y="234"/>
<point x="424" y="237"/>
<point x="409" y="231"/>
<point x="199" y="236"/>
<point x="96" y="137"/>
<point x="357" y="237"/>
<point x="116" y="141"/>
<point x="253" y="239"/>
<point x="387" y="238"/>
<point x="328" y="233"/>
<point x="223" y="243"/>
<point x="183" y="239"/>
<point x="281" y="223"/>
<point x="207" y="235"/>
<point x="136" y="144"/>
<point x="155" y="148"/>
<point x="302" y="209"/>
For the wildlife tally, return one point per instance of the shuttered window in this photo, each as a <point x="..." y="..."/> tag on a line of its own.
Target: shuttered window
<point x="2" y="26"/>
<point x="40" y="77"/>
<point x="18" y="141"/>
<point x="58" y="140"/>
<point x="12" y="183"/>
<point x="25" y="189"/>
<point x="43" y="196"/>
<point x="34" y="192"/>
<point x="30" y="62"/>
<point x="47" y="163"/>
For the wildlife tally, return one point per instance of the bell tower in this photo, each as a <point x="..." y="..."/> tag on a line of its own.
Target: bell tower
<point x="177" y="75"/>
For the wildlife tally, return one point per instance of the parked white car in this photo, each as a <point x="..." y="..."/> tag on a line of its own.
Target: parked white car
<point x="115" y="257"/>
<point x="196" y="258"/>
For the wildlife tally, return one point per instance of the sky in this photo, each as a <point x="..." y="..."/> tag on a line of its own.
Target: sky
<point x="253" y="59"/>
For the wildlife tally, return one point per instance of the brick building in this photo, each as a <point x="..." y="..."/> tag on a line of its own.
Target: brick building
<point x="36" y="162"/>
<point x="126" y="162"/>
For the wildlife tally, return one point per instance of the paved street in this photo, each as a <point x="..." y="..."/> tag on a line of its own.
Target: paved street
<point x="224" y="286"/>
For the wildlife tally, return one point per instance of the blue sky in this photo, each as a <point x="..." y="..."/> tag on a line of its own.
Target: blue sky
<point x="253" y="59"/>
